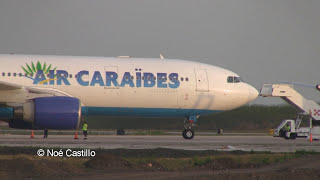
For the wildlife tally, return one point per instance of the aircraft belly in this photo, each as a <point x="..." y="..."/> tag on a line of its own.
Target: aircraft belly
<point x="143" y="112"/>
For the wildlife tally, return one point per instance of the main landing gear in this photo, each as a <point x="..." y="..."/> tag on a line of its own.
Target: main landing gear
<point x="190" y="121"/>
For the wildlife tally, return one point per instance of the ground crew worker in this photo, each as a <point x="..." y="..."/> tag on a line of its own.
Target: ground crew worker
<point x="85" y="130"/>
<point x="45" y="133"/>
<point x="287" y="128"/>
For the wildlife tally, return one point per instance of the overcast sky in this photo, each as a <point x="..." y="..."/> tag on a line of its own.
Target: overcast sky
<point x="261" y="40"/>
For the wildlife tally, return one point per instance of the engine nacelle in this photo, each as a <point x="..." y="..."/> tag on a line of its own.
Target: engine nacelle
<point x="57" y="112"/>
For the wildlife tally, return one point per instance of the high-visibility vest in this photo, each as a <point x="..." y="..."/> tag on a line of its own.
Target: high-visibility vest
<point x="287" y="128"/>
<point x="85" y="127"/>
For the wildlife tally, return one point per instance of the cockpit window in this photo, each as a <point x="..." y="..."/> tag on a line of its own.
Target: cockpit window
<point x="233" y="79"/>
<point x="236" y="79"/>
<point x="230" y="79"/>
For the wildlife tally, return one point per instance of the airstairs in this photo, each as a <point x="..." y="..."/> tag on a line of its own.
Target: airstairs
<point x="294" y="98"/>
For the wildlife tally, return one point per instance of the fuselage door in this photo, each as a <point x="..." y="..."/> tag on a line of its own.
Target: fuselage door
<point x="202" y="83"/>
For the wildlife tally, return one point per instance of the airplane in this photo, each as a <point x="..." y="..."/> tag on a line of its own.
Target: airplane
<point x="54" y="92"/>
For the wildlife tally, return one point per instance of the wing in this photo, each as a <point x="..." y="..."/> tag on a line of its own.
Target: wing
<point x="12" y="94"/>
<point x="4" y="86"/>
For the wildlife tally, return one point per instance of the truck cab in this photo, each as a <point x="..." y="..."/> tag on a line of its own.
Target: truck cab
<point x="295" y="130"/>
<point x="286" y="129"/>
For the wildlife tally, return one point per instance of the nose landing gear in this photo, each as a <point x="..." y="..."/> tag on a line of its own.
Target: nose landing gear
<point x="188" y="133"/>
<point x="190" y="121"/>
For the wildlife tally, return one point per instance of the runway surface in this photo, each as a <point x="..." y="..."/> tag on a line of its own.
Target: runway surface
<point x="223" y="143"/>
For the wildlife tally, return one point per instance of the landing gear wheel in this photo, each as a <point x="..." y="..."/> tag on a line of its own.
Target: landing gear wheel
<point x="188" y="133"/>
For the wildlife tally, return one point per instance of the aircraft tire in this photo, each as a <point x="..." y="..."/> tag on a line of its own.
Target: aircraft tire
<point x="188" y="133"/>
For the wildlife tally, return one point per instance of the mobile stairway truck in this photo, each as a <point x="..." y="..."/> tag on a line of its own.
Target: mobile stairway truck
<point x="290" y="129"/>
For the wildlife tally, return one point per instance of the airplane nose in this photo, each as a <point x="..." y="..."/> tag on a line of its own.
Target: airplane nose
<point x="241" y="95"/>
<point x="253" y="93"/>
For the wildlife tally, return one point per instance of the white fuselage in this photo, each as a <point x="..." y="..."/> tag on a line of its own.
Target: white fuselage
<point x="178" y="86"/>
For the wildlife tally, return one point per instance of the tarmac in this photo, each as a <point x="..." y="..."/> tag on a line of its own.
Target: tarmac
<point x="220" y="143"/>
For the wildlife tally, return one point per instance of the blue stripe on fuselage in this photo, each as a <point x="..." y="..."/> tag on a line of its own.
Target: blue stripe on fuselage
<point x="143" y="112"/>
<point x="7" y="112"/>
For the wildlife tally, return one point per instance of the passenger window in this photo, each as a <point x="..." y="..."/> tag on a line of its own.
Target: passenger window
<point x="3" y="74"/>
<point x="230" y="79"/>
<point x="20" y="74"/>
<point x="181" y="79"/>
<point x="9" y="74"/>
<point x="187" y="79"/>
<point x="70" y="75"/>
<point x="132" y="77"/>
<point x="14" y="74"/>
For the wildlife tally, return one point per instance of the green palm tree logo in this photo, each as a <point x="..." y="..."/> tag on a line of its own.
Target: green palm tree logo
<point x="33" y="69"/>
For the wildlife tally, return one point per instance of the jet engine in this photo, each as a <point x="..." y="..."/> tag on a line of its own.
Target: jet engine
<point x="58" y="112"/>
